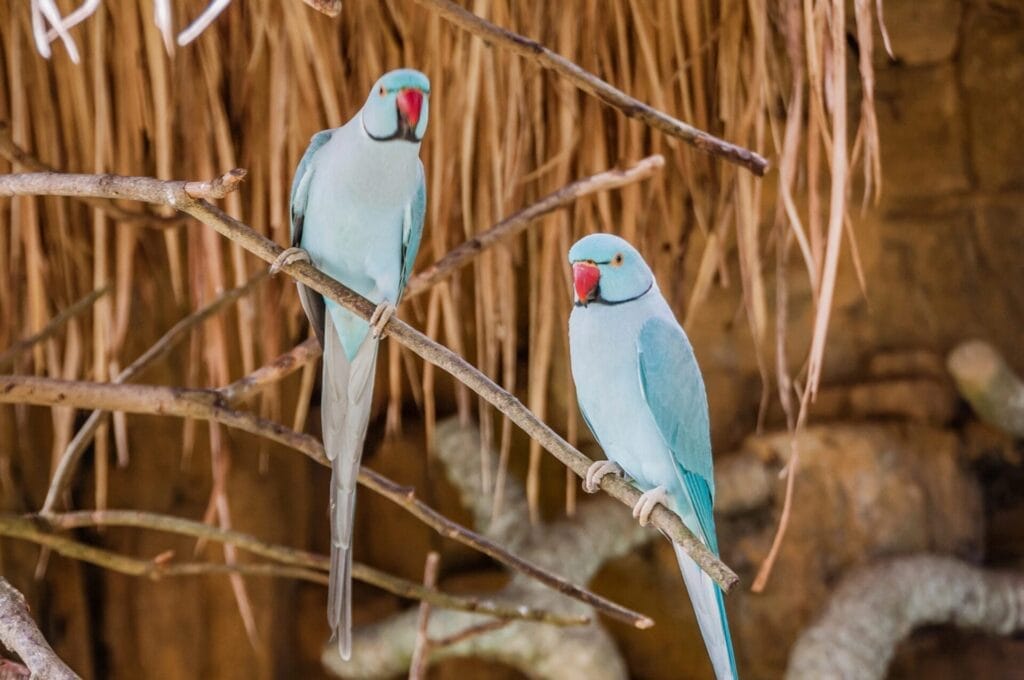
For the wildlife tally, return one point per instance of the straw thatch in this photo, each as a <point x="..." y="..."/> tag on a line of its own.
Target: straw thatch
<point x="265" y="75"/>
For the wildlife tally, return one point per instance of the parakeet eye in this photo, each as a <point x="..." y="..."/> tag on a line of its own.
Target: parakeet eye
<point x="617" y="260"/>
<point x="382" y="91"/>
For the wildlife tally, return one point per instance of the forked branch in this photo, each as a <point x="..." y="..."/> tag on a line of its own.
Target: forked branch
<point x="177" y="194"/>
<point x="288" y="562"/>
<point x="210" y="405"/>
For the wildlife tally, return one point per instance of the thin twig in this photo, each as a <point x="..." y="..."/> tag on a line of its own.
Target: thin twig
<point x="76" y="447"/>
<point x="421" y="650"/>
<point x="19" y="634"/>
<point x="469" y="632"/>
<point x="293" y="563"/>
<point x="276" y="370"/>
<point x="591" y="84"/>
<point x="514" y="224"/>
<point x="173" y="193"/>
<point x="8" y="356"/>
<point x="204" y="404"/>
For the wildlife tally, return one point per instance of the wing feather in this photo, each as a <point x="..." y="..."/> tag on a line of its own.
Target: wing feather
<point x="674" y="390"/>
<point x="312" y="302"/>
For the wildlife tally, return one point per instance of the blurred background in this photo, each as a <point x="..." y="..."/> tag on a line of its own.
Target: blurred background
<point x="930" y="253"/>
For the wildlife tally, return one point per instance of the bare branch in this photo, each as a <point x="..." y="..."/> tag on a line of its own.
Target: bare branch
<point x="294" y="563"/>
<point x="877" y="606"/>
<point x="591" y="84"/>
<point x="276" y="370"/>
<point x="15" y="154"/>
<point x="421" y="650"/>
<point x="514" y="224"/>
<point x="210" y="405"/>
<point x="76" y="447"/>
<point x="18" y="633"/>
<point x="578" y="546"/>
<point x="217" y="188"/>
<point x="8" y="356"/>
<point x="173" y="193"/>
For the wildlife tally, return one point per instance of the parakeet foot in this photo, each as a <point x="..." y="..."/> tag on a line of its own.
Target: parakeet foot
<point x="287" y="257"/>
<point x="597" y="471"/>
<point x="380" y="318"/>
<point x="648" y="500"/>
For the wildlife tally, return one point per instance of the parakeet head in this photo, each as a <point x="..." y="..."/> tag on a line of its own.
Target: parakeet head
<point x="607" y="270"/>
<point x="397" y="107"/>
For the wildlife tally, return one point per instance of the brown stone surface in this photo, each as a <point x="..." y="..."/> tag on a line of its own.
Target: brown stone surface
<point x="993" y="80"/>
<point x="921" y="125"/>
<point x="862" y="492"/>
<point x="921" y="32"/>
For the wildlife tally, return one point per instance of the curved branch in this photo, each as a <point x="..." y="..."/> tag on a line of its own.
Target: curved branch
<point x="210" y="405"/>
<point x="513" y="224"/>
<point x="8" y="356"/>
<point x="580" y="546"/>
<point x="176" y="194"/>
<point x="18" y="633"/>
<point x="291" y="562"/>
<point x="877" y="606"/>
<point x="72" y="454"/>
<point x="15" y="154"/>
<point x="591" y="84"/>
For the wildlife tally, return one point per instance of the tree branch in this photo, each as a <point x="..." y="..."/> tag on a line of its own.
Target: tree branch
<point x="421" y="650"/>
<point x="293" y="563"/>
<point x="877" y="606"/>
<point x="174" y="193"/>
<point x="8" y="356"/>
<point x="205" y="404"/>
<point x="276" y="370"/>
<point x="578" y="546"/>
<point x="15" y="154"/>
<point x="461" y="255"/>
<point x="71" y="455"/>
<point x="591" y="84"/>
<point x="19" y="634"/>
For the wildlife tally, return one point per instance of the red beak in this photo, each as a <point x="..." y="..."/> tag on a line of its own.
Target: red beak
<point x="585" y="277"/>
<point x="410" y="102"/>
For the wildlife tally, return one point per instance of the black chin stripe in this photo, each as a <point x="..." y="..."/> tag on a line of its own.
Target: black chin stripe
<point x="611" y="303"/>
<point x="402" y="131"/>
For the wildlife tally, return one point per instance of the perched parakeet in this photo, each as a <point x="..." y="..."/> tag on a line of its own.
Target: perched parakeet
<point x="642" y="395"/>
<point x="357" y="206"/>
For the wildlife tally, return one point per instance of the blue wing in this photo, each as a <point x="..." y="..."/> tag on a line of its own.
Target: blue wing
<point x="300" y="184"/>
<point x="312" y="302"/>
<point x="674" y="390"/>
<point x="413" y="230"/>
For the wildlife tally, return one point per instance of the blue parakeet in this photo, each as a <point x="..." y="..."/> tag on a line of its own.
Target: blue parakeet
<point x="642" y="395"/>
<point x="357" y="206"/>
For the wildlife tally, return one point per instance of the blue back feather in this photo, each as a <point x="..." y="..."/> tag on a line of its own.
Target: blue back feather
<point x="674" y="390"/>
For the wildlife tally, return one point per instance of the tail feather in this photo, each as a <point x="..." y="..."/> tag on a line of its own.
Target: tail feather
<point x="709" y="606"/>
<point x="345" y="412"/>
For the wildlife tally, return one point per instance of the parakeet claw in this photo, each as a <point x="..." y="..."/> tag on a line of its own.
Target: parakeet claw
<point x="597" y="471"/>
<point x="648" y="500"/>
<point x="287" y="257"/>
<point x="380" y="318"/>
